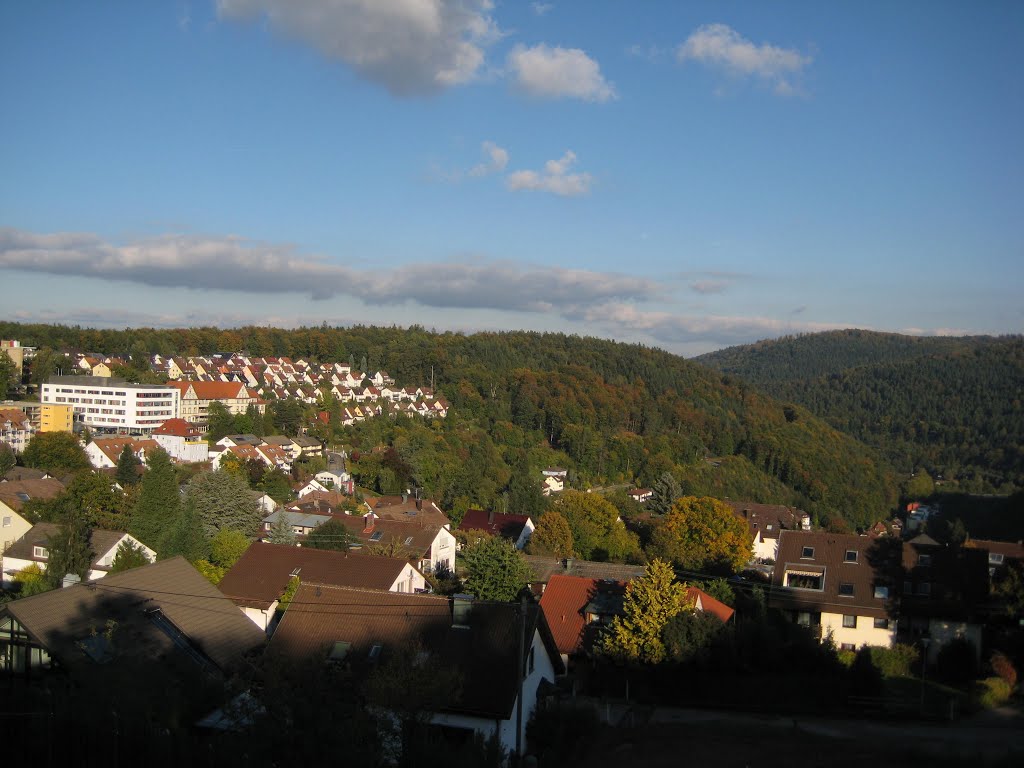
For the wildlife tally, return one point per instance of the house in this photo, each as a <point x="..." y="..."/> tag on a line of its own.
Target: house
<point x="546" y="567"/>
<point x="765" y="522"/>
<point x="196" y="397"/>
<point x="554" y="480"/>
<point x="577" y="609"/>
<point x="479" y="642"/>
<point x="105" y="452"/>
<point x="331" y="479"/>
<point x="12" y="527"/>
<point x="16" y="428"/>
<point x="944" y="593"/>
<point x="285" y="443"/>
<point x="302" y="523"/>
<point x="33" y="548"/>
<point x="408" y="508"/>
<point x="309" y="446"/>
<point x="430" y="546"/>
<point x="311" y="486"/>
<point x="16" y="493"/>
<point x="840" y="586"/>
<point x="515" y="528"/>
<point x="1000" y="553"/>
<point x="151" y="641"/>
<point x="182" y="440"/>
<point x="260" y="577"/>
<point x="641" y="495"/>
<point x="231" y="441"/>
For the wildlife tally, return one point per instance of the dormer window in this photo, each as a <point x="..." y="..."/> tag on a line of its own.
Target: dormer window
<point x="924" y="560"/>
<point x="40" y="552"/>
<point x="807" y="553"/>
<point x="851" y="556"/>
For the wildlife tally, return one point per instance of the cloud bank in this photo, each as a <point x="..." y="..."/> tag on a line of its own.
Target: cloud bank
<point x="411" y="47"/>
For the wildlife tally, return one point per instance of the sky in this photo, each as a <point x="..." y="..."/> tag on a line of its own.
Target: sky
<point x="683" y="175"/>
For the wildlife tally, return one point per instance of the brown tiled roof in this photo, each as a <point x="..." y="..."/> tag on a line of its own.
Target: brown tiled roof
<point x="415" y="537"/>
<point x="111" y="447"/>
<point x="23" y="473"/>
<point x="393" y="508"/>
<point x="872" y="561"/>
<point x="483" y="652"/>
<point x="34" y="489"/>
<point x="494" y="523"/>
<point x="545" y="566"/>
<point x="39" y="534"/>
<point x="62" y="619"/>
<point x="769" y="519"/>
<point x="214" y="390"/>
<point x="262" y="573"/>
<point x="1011" y="550"/>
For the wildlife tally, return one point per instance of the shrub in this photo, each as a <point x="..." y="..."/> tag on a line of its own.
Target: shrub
<point x="992" y="692"/>
<point x="1004" y="668"/>
<point x="896" y="661"/>
<point x="957" y="662"/>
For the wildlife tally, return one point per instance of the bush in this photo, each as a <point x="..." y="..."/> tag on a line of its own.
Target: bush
<point x="1004" y="668"/>
<point x="957" y="662"/>
<point x="992" y="692"/>
<point x="896" y="661"/>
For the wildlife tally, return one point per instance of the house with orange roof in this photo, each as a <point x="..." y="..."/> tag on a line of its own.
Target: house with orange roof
<point x="196" y="397"/>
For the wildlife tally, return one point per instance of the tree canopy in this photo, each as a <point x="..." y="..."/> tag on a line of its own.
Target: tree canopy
<point x="56" y="453"/>
<point x="494" y="569"/>
<point x="552" y="536"/>
<point x="701" y="533"/>
<point x="156" y="513"/>
<point x="330" y="535"/>
<point x="597" y="531"/>
<point x="223" y="500"/>
<point x="651" y="601"/>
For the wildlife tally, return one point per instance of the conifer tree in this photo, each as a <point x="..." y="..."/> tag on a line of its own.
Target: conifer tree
<point x="281" y="531"/>
<point x="127" y="474"/>
<point x="69" y="549"/>
<point x="158" y="509"/>
<point x="651" y="601"/>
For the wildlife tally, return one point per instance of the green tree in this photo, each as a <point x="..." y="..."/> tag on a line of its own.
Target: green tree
<point x="495" y="569"/>
<point x="10" y="381"/>
<point x="227" y="546"/>
<point x="688" y="634"/>
<point x="666" y="490"/>
<point x="94" y="495"/>
<point x="597" y="532"/>
<point x="69" y="549"/>
<point x="220" y="421"/>
<point x="651" y="601"/>
<point x="56" y="453"/>
<point x="552" y="536"/>
<point x="281" y="531"/>
<point x="126" y="467"/>
<point x="701" y="533"/>
<point x="330" y="535"/>
<point x="223" y="500"/>
<point x="45" y="363"/>
<point x="7" y="459"/>
<point x="277" y="485"/>
<point x="157" y="512"/>
<point x="920" y="486"/>
<point x="189" y="539"/>
<point x="31" y="580"/>
<point x="129" y="555"/>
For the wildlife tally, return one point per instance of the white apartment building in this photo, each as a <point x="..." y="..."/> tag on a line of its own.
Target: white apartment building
<point x="112" y="405"/>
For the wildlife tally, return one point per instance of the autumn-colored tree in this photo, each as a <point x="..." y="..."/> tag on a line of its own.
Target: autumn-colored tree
<point x="651" y="601"/>
<point x="597" y="532"/>
<point x="701" y="533"/>
<point x="552" y="536"/>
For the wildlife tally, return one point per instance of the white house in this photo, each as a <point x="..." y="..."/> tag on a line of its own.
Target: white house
<point x="12" y="526"/>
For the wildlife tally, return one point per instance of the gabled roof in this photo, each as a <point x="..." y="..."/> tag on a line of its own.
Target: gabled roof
<point x="494" y="523"/>
<point x="1013" y="550"/>
<point x="262" y="573"/>
<point x="100" y="541"/>
<point x="149" y="606"/>
<point x="395" y="508"/>
<point x="545" y="567"/>
<point x="483" y="649"/>
<point x="416" y="538"/>
<point x="214" y="390"/>
<point x="768" y="519"/>
<point x="14" y="492"/>
<point x="178" y="428"/>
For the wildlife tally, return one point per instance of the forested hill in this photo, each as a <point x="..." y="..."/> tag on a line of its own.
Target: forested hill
<point x="611" y="412"/>
<point x="953" y="406"/>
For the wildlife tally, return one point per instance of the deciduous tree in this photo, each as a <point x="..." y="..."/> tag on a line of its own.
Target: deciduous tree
<point x="330" y="535"/>
<point x="701" y="533"/>
<point x="552" y="536"/>
<point x="56" y="453"/>
<point x="227" y="546"/>
<point x="495" y="569"/>
<point x="597" y="532"/>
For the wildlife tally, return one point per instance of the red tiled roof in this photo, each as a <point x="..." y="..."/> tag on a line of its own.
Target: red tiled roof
<point x="563" y="602"/>
<point x="708" y="604"/>
<point x="177" y="428"/>
<point x="494" y="523"/>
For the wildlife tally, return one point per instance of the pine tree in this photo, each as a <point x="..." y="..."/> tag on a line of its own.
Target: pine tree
<point x="666" y="490"/>
<point x="129" y="555"/>
<point x="127" y="474"/>
<point x="188" y="539"/>
<point x="224" y="500"/>
<point x="69" y="549"/>
<point x="281" y="531"/>
<point x="158" y="509"/>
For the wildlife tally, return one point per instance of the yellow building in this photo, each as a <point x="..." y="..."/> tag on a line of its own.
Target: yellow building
<point x="14" y="351"/>
<point x="56" y="418"/>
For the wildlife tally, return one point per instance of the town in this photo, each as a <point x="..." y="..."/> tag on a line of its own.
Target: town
<point x="203" y="524"/>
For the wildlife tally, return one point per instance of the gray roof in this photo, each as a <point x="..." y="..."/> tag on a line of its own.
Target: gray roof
<point x="300" y="519"/>
<point x="545" y="566"/>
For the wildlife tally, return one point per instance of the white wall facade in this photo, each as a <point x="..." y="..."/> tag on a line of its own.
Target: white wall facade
<point x="187" y="450"/>
<point x="864" y="633"/>
<point x="114" y="406"/>
<point x="442" y="552"/>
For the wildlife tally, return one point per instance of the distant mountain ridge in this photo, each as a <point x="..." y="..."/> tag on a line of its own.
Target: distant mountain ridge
<point x="950" y="405"/>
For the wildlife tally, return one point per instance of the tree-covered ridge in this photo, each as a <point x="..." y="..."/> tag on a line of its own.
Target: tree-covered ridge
<point x="954" y="407"/>
<point x="614" y="413"/>
<point x="807" y="356"/>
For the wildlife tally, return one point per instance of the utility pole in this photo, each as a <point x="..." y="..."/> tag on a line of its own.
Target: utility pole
<point x="520" y="673"/>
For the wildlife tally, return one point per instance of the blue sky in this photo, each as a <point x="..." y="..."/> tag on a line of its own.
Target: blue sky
<point x="687" y="175"/>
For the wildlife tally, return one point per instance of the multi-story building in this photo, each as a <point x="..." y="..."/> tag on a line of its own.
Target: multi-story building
<point x="196" y="397"/>
<point x="56" y="417"/>
<point x="108" y="405"/>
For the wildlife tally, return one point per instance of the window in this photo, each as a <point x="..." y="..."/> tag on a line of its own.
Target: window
<point x="340" y="650"/>
<point x="807" y="552"/>
<point x="376" y="535"/>
<point x="995" y="558"/>
<point x="847" y="647"/>
<point x="8" y="521"/>
<point x="846" y="590"/>
<point x="40" y="552"/>
<point x="849" y="622"/>
<point x="881" y="592"/>
<point x="375" y="652"/>
<point x="881" y="623"/>
<point x="805" y="580"/>
<point x="851" y="556"/>
<point x="908" y="587"/>
<point x="924" y="560"/>
<point x="924" y="588"/>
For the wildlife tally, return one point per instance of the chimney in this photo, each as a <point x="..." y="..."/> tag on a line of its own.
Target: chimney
<point x="419" y="504"/>
<point x="568" y="564"/>
<point x="490" y="517"/>
<point x="368" y="522"/>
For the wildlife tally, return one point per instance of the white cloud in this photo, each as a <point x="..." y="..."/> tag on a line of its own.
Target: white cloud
<point x="555" y="73"/>
<point x="555" y="178"/>
<point x="236" y="264"/>
<point x="497" y="160"/>
<point x="719" y="46"/>
<point x="410" y="47"/>
<point x="540" y="9"/>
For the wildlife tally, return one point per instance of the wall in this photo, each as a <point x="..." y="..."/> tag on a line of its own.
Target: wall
<point x="864" y="634"/>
